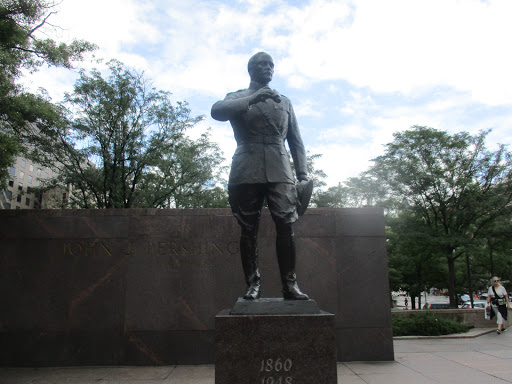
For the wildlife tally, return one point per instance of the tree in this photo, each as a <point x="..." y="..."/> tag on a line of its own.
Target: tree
<point x="317" y="175"/>
<point x="413" y="255"/>
<point x="360" y="191"/>
<point x="334" y="197"/>
<point x="25" y="117"/>
<point x="491" y="254"/>
<point x="452" y="182"/>
<point x="186" y="178"/>
<point x="9" y="147"/>
<point x="126" y="145"/>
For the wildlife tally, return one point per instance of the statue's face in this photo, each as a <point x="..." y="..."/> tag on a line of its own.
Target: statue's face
<point x="263" y="69"/>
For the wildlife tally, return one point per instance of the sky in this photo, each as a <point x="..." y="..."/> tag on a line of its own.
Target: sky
<point x="355" y="71"/>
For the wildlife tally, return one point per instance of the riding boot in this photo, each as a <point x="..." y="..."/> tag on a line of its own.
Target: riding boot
<point x="249" y="254"/>
<point x="285" y="247"/>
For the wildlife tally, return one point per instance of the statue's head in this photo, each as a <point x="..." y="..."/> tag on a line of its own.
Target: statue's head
<point x="261" y="68"/>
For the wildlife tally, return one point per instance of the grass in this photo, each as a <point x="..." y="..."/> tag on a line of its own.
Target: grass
<point x="425" y="325"/>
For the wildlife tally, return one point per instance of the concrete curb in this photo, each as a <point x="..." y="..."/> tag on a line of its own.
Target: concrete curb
<point x="472" y="333"/>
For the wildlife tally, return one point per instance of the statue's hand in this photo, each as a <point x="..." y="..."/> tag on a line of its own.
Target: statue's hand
<point x="263" y="94"/>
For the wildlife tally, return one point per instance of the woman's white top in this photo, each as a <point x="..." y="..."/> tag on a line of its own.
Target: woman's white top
<point x="501" y="291"/>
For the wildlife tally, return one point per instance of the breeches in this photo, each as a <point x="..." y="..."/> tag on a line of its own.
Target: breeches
<point x="246" y="201"/>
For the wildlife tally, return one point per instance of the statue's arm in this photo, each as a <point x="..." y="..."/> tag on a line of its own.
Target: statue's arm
<point x="297" y="148"/>
<point x="239" y="102"/>
<point x="230" y="107"/>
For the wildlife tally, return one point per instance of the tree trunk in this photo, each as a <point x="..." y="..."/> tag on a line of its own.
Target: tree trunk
<point x="468" y="267"/>
<point x="491" y="257"/>
<point x="413" y="302"/>
<point x="451" y="282"/>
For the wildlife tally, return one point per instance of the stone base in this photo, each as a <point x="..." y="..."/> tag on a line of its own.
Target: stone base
<point x="275" y="306"/>
<point x="285" y="349"/>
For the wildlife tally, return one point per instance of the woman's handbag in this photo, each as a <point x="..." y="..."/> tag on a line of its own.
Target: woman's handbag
<point x="488" y="312"/>
<point x="498" y="300"/>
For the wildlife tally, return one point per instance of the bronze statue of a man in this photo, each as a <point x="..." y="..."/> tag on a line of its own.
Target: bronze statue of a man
<point x="262" y="120"/>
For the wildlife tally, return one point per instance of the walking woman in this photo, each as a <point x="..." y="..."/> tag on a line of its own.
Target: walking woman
<point x="497" y="297"/>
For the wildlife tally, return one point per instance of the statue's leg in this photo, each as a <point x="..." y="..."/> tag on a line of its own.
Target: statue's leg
<point x="286" y="258"/>
<point x="282" y="203"/>
<point x="249" y="255"/>
<point x="246" y="202"/>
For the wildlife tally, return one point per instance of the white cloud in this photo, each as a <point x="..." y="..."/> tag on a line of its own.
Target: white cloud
<point x="402" y="45"/>
<point x="381" y="49"/>
<point x="389" y="46"/>
<point x="111" y="24"/>
<point x="307" y="108"/>
<point x="341" y="161"/>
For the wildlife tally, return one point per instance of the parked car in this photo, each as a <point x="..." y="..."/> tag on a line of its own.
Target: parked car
<point x="461" y="299"/>
<point x="465" y="297"/>
<point x="483" y="296"/>
<point x="436" y="306"/>
<point x="477" y="305"/>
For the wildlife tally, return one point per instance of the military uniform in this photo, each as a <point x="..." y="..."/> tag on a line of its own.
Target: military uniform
<point x="261" y="169"/>
<point x="260" y="132"/>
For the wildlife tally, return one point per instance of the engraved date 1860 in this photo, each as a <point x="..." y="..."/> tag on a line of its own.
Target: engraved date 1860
<point x="276" y="368"/>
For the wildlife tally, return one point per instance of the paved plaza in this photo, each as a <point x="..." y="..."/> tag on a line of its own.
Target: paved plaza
<point x="466" y="359"/>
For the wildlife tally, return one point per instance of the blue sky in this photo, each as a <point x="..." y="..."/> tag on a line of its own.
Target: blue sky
<point x="355" y="71"/>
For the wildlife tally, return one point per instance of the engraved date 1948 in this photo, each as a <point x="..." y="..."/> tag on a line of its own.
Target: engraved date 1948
<point x="276" y="368"/>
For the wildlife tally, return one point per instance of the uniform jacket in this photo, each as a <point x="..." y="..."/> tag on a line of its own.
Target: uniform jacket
<point x="260" y="132"/>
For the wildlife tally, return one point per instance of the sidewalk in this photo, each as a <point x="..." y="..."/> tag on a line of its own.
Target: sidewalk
<point x="468" y="360"/>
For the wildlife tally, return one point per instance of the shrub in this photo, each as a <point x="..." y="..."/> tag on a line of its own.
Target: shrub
<point x="425" y="325"/>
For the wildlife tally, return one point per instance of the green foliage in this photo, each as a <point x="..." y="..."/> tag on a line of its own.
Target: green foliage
<point x="334" y="197"/>
<point x="493" y="253"/>
<point x="413" y="253"/>
<point x="126" y="146"/>
<point x="20" y="42"/>
<point x="425" y="325"/>
<point x="9" y="146"/>
<point x="28" y="117"/>
<point x="355" y="192"/>
<point x="453" y="184"/>
<point x="317" y="175"/>
<point x="445" y="196"/>
<point x="186" y="177"/>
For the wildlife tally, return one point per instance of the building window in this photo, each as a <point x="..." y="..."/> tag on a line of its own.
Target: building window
<point x="38" y="182"/>
<point x="9" y="194"/>
<point x="27" y="201"/>
<point x="7" y="206"/>
<point x="46" y="175"/>
<point x="20" y="187"/>
<point x="23" y="163"/>
<point x="11" y="183"/>
<point x="22" y="175"/>
<point x="18" y="199"/>
<point x="31" y="168"/>
<point x="39" y="172"/>
<point x="29" y="179"/>
<point x="18" y="207"/>
<point x="12" y="170"/>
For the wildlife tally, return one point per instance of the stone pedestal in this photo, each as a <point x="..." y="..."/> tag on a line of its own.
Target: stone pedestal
<point x="275" y="306"/>
<point x="275" y="349"/>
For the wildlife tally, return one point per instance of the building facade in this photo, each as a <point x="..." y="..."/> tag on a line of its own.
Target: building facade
<point x="24" y="177"/>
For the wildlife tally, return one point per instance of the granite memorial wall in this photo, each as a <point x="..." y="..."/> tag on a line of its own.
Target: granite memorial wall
<point x="142" y="287"/>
